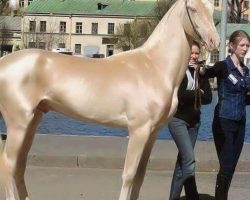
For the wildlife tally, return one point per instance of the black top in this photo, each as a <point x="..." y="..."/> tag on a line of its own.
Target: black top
<point x="219" y="70"/>
<point x="186" y="98"/>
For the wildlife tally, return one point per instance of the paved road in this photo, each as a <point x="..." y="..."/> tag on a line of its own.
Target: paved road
<point x="90" y="168"/>
<point x="109" y="153"/>
<point x="49" y="183"/>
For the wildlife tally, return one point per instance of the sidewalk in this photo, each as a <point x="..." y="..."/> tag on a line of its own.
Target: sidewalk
<point x="90" y="168"/>
<point x="52" y="183"/>
<point x="109" y="153"/>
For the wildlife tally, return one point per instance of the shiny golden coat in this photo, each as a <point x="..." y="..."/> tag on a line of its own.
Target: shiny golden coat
<point x="135" y="89"/>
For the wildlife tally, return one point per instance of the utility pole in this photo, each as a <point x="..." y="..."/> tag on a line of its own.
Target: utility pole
<point x="223" y="30"/>
<point x="223" y="35"/>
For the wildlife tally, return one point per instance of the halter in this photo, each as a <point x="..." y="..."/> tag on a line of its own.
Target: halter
<point x="196" y="32"/>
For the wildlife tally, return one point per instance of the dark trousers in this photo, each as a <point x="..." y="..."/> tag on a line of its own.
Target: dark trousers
<point x="229" y="139"/>
<point x="185" y="139"/>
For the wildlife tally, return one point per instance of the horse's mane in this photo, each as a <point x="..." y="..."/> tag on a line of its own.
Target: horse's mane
<point x="157" y="31"/>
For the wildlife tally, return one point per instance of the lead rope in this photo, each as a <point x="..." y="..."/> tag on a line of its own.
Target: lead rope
<point x="197" y="92"/>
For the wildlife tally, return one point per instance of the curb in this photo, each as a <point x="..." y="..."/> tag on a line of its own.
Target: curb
<point x="109" y="153"/>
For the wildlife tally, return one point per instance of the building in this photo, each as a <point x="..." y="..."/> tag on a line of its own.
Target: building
<point x="24" y="3"/>
<point x="85" y="27"/>
<point x="10" y="34"/>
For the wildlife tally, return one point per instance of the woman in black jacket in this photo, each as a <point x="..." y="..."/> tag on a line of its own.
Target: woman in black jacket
<point x="184" y="127"/>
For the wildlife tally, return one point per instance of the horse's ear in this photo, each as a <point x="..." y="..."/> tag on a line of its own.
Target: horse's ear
<point x="191" y="5"/>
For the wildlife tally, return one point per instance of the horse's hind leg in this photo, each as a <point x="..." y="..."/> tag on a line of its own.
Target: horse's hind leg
<point x="14" y="156"/>
<point x="138" y="147"/>
<point x="21" y="164"/>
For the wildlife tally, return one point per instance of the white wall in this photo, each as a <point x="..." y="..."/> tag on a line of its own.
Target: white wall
<point x="71" y="38"/>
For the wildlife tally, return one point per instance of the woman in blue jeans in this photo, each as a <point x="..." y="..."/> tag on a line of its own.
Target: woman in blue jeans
<point x="230" y="112"/>
<point x="184" y="127"/>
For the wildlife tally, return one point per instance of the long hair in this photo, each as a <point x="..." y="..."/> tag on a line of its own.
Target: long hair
<point x="236" y="37"/>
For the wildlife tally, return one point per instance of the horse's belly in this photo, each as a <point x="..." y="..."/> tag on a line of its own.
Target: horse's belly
<point x="106" y="113"/>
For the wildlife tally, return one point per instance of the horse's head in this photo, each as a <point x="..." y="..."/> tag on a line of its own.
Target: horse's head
<point x="198" y="22"/>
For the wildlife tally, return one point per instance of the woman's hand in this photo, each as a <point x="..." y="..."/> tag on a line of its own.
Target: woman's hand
<point x="202" y="70"/>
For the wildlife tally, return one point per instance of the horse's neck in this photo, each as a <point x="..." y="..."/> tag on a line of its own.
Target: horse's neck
<point x="168" y="46"/>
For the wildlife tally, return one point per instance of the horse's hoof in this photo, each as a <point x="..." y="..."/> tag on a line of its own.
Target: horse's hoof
<point x="3" y="136"/>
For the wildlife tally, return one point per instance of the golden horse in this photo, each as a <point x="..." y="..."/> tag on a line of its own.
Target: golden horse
<point x="135" y="89"/>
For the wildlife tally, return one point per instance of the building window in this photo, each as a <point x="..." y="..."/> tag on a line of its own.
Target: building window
<point x="214" y="57"/>
<point x="21" y="3"/>
<point x="32" y="26"/>
<point x="101" y="6"/>
<point x="111" y="28"/>
<point x="61" y="45"/>
<point x="41" y="45"/>
<point x="245" y="17"/>
<point x="78" y="27"/>
<point x="29" y="2"/>
<point x="94" y="29"/>
<point x="32" y="45"/>
<point x="216" y="3"/>
<point x="246" y="4"/>
<point x="42" y="26"/>
<point x="78" y="48"/>
<point x="110" y="50"/>
<point x="62" y="28"/>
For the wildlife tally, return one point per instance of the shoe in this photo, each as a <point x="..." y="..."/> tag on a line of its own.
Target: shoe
<point x="222" y="186"/>
<point x="191" y="189"/>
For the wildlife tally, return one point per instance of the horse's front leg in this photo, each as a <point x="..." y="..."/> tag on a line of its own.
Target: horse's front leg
<point x="141" y="169"/>
<point x="14" y="156"/>
<point x="139" y="148"/>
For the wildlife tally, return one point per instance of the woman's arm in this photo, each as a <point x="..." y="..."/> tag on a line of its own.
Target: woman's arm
<point x="219" y="70"/>
<point x="206" y="92"/>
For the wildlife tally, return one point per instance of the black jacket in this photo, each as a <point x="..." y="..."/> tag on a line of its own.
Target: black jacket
<point x="186" y="98"/>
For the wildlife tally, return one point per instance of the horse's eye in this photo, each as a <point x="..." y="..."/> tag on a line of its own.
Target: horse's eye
<point x="192" y="8"/>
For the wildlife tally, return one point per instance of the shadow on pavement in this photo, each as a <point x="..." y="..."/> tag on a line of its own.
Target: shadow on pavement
<point x="202" y="197"/>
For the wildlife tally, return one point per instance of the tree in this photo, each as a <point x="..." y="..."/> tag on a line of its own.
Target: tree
<point x="48" y="39"/>
<point x="133" y="34"/>
<point x="3" y="38"/>
<point x="236" y="8"/>
<point x="162" y="6"/>
<point x="5" y="9"/>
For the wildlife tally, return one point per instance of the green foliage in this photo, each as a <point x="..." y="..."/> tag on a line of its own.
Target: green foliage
<point x="133" y="34"/>
<point x="162" y="6"/>
<point x="236" y="10"/>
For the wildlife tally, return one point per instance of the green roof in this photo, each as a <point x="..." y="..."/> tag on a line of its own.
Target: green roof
<point x="90" y="7"/>
<point x="233" y="27"/>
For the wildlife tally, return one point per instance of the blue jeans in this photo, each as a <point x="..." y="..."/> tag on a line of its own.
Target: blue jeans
<point x="185" y="139"/>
